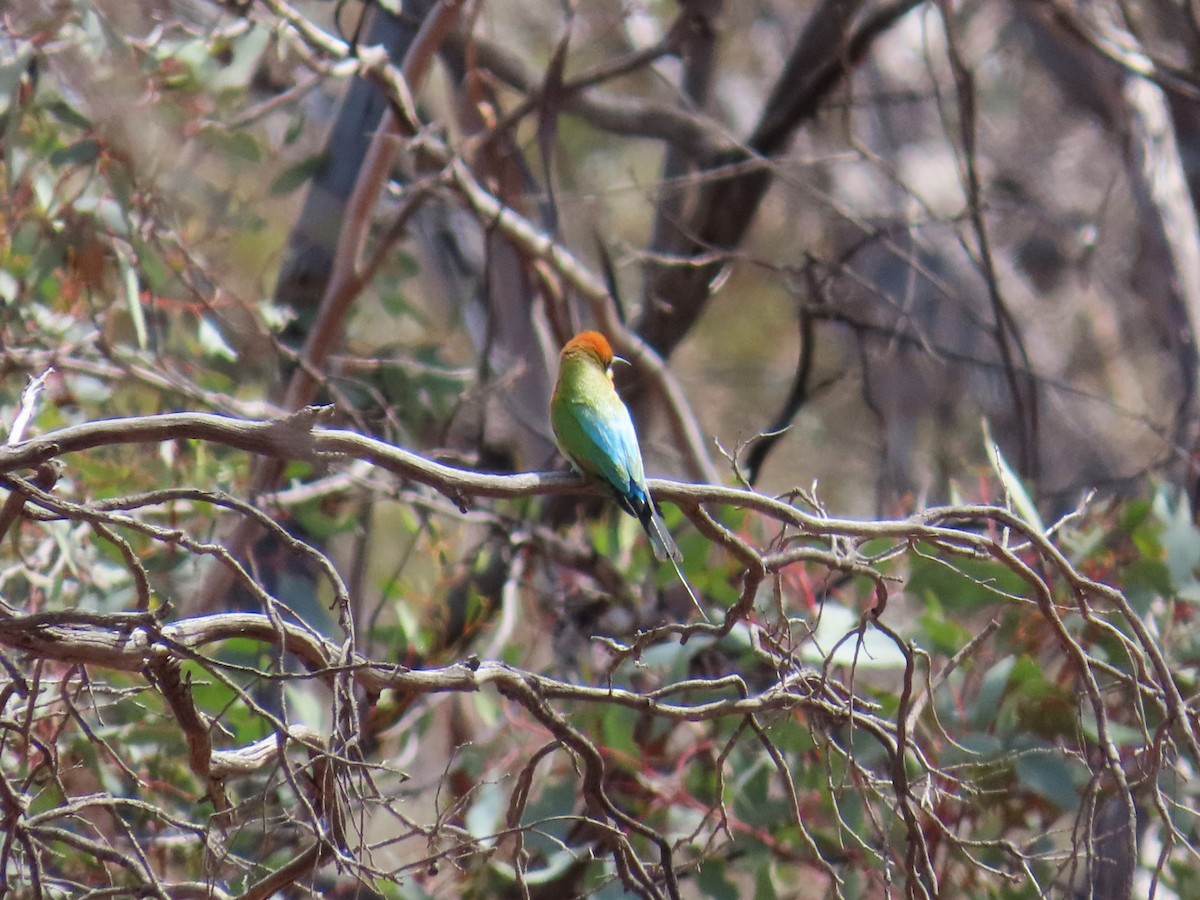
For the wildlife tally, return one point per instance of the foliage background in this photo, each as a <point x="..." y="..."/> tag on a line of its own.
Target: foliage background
<point x="251" y="651"/>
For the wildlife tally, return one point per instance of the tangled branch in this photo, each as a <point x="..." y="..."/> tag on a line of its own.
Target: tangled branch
<point x="327" y="770"/>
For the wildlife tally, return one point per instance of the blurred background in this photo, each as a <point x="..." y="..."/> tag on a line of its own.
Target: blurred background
<point x="834" y="238"/>
<point x="942" y="213"/>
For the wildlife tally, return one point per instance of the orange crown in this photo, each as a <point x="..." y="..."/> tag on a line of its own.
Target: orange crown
<point x="592" y="342"/>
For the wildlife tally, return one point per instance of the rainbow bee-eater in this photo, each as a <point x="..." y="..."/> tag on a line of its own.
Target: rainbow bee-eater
<point x="594" y="431"/>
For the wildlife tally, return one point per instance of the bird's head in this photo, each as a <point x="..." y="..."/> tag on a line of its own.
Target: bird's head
<point x="594" y="346"/>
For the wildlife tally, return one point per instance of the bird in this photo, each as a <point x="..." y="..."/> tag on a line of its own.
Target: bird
<point x="594" y="431"/>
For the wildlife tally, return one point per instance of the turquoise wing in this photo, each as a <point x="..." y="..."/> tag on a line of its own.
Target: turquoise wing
<point x="608" y="448"/>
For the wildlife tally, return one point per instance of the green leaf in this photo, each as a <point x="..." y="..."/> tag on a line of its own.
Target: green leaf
<point x="12" y="69"/>
<point x="68" y="115"/>
<point x="395" y="302"/>
<point x="764" y="884"/>
<point x="558" y="862"/>
<point x="296" y="175"/>
<point x="238" y="144"/>
<point x="870" y="650"/>
<point x="962" y="584"/>
<point x="550" y="809"/>
<point x="790" y="736"/>
<point x="110" y="215"/>
<point x="9" y="287"/>
<point x="675" y="658"/>
<point x="295" y="128"/>
<point x="151" y="266"/>
<point x="1082" y="545"/>
<point x="1048" y="775"/>
<point x="323" y="521"/>
<point x="1018" y="497"/>
<point x="212" y="342"/>
<point x="81" y="153"/>
<point x="713" y="882"/>
<point x="944" y="634"/>
<point x="1136" y="512"/>
<point x="133" y="300"/>
<point x="1181" y="541"/>
<point x="485" y="815"/>
<point x="304" y="705"/>
<point x="1121" y="735"/>
<point x="987" y="702"/>
<point x="750" y="799"/>
<point x="617" y="725"/>
<point x="1028" y="676"/>
<point x="1143" y="581"/>
<point x="982" y="748"/>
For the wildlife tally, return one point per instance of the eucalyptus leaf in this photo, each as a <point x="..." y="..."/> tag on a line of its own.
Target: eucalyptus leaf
<point x="870" y="650"/>
<point x="1022" y="504"/>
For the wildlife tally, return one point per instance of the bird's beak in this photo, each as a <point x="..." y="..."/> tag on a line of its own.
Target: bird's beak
<point x="621" y="359"/>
